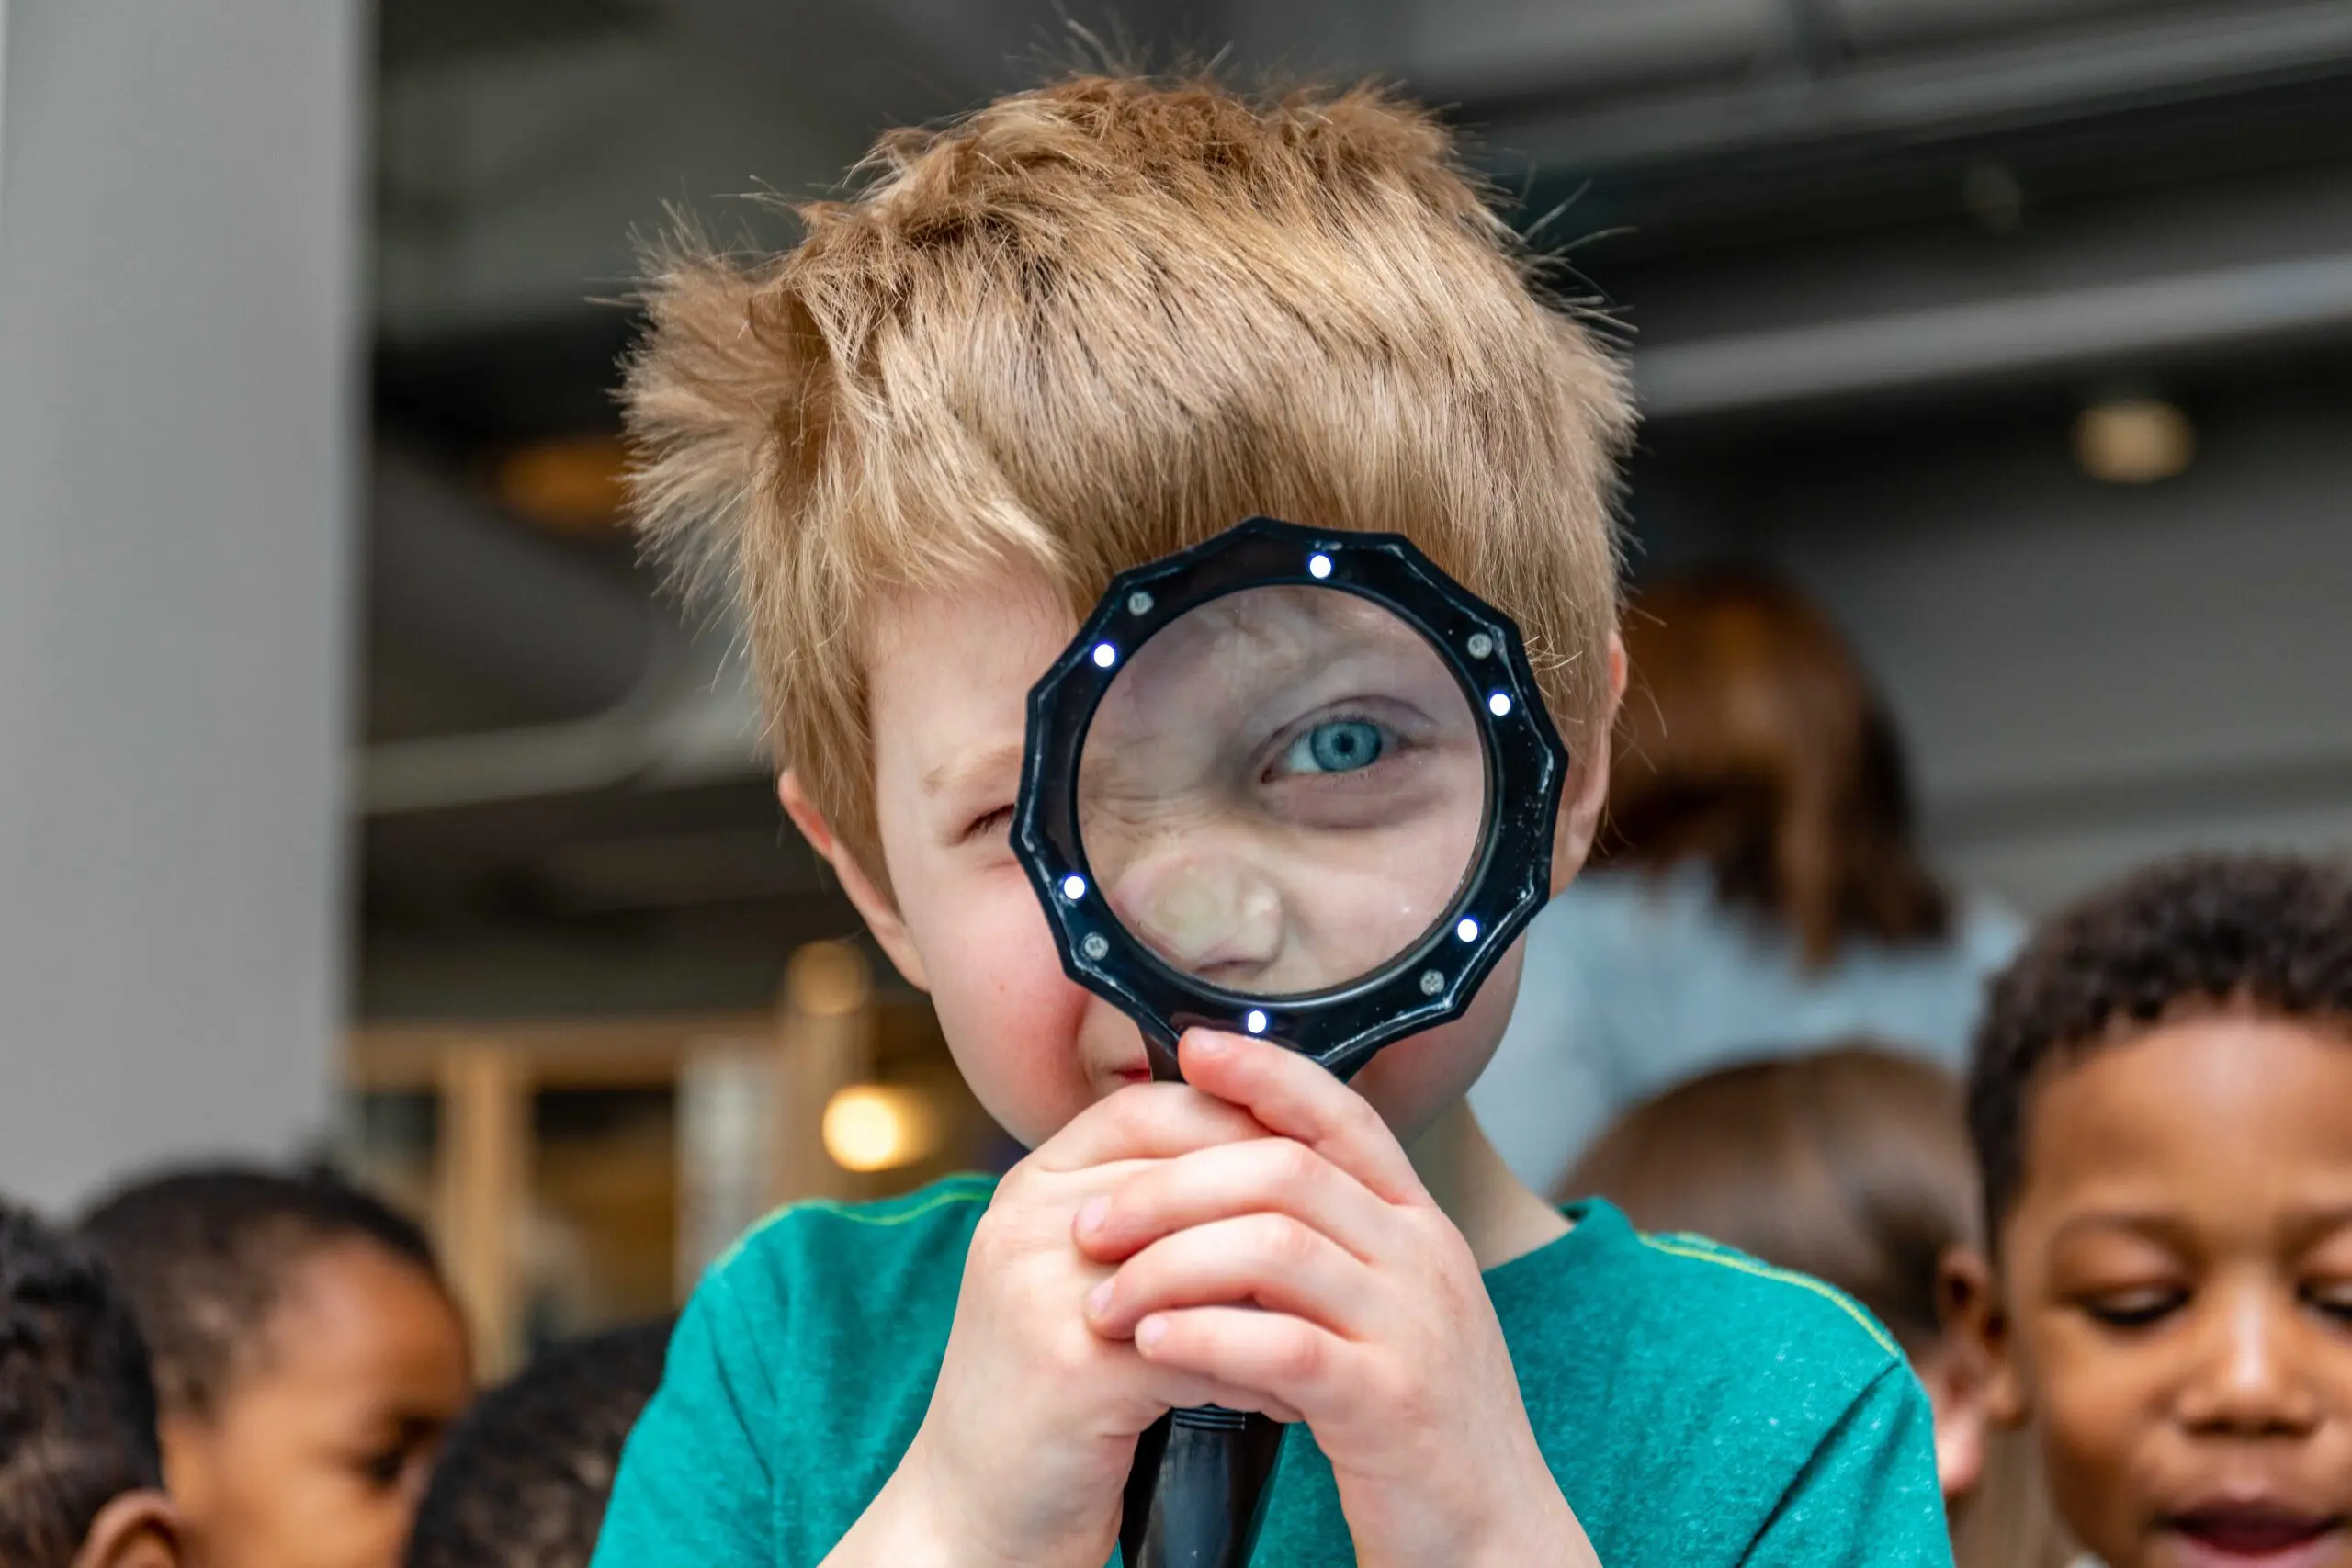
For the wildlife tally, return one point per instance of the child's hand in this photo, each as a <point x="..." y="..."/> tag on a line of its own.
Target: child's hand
<point x="1032" y="1427"/>
<point x="1315" y="1269"/>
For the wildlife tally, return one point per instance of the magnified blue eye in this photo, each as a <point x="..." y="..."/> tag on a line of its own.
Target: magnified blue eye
<point x="1336" y="746"/>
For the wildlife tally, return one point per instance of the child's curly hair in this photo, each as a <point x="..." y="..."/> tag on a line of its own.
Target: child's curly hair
<point x="78" y="1403"/>
<point x="2272" y="933"/>
<point x="205" y="1253"/>
<point x="524" y="1478"/>
<point x="1091" y="324"/>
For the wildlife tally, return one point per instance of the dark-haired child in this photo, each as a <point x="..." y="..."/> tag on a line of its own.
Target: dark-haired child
<point x="2161" y="1101"/>
<point x="308" y="1360"/>
<point x="1850" y="1165"/>
<point x="523" y="1481"/>
<point x="81" y="1480"/>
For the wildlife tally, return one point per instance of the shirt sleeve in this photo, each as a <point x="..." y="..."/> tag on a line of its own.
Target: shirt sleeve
<point x="1868" y="1495"/>
<point x="694" y="1489"/>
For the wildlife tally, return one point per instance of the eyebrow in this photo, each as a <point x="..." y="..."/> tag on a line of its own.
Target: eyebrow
<point x="2302" y="1226"/>
<point x="2152" y="1223"/>
<point x="2308" y="1226"/>
<point x="958" y="775"/>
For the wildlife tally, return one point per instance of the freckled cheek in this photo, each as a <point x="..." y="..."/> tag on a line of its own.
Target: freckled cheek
<point x="1010" y="1015"/>
<point x="1413" y="1081"/>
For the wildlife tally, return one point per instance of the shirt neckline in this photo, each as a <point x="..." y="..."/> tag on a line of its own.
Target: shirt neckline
<point x="1594" y="1226"/>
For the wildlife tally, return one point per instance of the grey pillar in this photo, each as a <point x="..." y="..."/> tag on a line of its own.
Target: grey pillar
<point x="178" y="411"/>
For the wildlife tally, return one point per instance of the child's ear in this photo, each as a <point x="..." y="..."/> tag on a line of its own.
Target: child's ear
<point x="1954" y="1373"/>
<point x="1968" y="1301"/>
<point x="137" y="1529"/>
<point x="881" y="916"/>
<point x="1588" y="776"/>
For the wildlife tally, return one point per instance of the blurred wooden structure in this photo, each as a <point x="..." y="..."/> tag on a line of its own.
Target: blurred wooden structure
<point x="484" y="1079"/>
<point x="488" y="1164"/>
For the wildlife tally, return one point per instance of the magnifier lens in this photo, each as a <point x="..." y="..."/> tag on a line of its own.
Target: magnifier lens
<point x="1283" y="791"/>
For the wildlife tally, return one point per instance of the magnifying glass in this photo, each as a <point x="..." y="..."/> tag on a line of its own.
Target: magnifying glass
<point x="1292" y="782"/>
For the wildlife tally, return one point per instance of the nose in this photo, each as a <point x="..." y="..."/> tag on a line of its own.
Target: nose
<point x="1211" y="915"/>
<point x="2249" y="1378"/>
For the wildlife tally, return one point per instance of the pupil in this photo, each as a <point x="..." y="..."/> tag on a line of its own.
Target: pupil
<point x="1344" y="747"/>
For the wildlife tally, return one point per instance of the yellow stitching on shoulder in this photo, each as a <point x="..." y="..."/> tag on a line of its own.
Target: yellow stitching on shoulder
<point x="952" y="1189"/>
<point x="1728" y="1260"/>
<point x="961" y="1193"/>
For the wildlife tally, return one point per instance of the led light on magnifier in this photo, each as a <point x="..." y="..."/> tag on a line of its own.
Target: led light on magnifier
<point x="1279" y="788"/>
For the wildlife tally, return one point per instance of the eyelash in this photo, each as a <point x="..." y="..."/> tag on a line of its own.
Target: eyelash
<point x="1394" y="742"/>
<point x="981" y="826"/>
<point x="386" y="1470"/>
<point x="2332" y="1300"/>
<point x="2131" y="1310"/>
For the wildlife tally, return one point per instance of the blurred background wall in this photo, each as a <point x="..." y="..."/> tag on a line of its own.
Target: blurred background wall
<point x="180" y="407"/>
<point x="2011" y="327"/>
<point x="2014" y="329"/>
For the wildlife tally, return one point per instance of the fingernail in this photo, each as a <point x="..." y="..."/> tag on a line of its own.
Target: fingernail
<point x="1209" y="1043"/>
<point x="1098" y="1300"/>
<point x="1091" y="1212"/>
<point x="1150" y="1332"/>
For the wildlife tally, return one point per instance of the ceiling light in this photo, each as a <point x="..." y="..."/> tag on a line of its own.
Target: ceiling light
<point x="575" y="486"/>
<point x="2134" y="440"/>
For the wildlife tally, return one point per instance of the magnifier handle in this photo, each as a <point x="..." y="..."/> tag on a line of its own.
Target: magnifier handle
<point x="1200" y="1474"/>
<point x="1159" y="1055"/>
<point x="1193" y="1498"/>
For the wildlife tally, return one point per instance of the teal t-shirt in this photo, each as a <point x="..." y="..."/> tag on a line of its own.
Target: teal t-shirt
<point x="1697" y="1406"/>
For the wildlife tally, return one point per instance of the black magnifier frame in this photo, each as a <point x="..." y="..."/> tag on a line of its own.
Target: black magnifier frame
<point x="1433" y="981"/>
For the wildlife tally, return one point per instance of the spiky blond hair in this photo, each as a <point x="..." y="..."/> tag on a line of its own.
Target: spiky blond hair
<point x="1093" y="323"/>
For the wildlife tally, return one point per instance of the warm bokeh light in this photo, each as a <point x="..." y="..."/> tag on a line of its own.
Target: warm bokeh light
<point x="878" y="1127"/>
<point x="2134" y="440"/>
<point x="825" y="979"/>
<point x="575" y="486"/>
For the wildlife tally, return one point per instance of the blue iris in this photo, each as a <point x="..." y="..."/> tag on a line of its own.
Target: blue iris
<point x="1338" y="746"/>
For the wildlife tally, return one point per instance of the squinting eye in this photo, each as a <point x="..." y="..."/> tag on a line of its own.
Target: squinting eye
<point x="2135" y="1309"/>
<point x="996" y="821"/>
<point x="384" y="1471"/>
<point x="1336" y="746"/>
<point x="2333" y="1297"/>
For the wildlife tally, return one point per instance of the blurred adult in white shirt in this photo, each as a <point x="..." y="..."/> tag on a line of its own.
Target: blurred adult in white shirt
<point x="1757" y="889"/>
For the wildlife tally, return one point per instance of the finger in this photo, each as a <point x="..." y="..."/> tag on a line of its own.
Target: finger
<point x="1263" y="1175"/>
<point x="1272" y="1260"/>
<point x="1290" y="1095"/>
<point x="1155" y="1121"/>
<point x="1169" y="1388"/>
<point x="1275" y="1356"/>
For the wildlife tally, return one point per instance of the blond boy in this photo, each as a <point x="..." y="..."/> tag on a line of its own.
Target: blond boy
<point x="1079" y="329"/>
